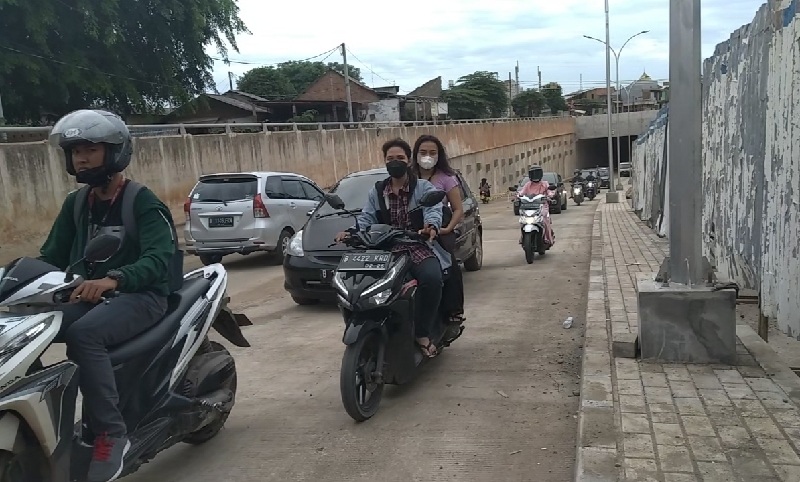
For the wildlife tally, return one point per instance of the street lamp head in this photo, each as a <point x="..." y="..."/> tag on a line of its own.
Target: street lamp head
<point x="645" y="31"/>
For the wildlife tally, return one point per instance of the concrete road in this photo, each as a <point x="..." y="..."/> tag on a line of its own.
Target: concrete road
<point x="499" y="405"/>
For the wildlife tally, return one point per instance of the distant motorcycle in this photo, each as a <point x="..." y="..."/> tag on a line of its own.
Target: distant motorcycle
<point x="591" y="190"/>
<point x="485" y="196"/>
<point x="532" y="225"/>
<point x="577" y="193"/>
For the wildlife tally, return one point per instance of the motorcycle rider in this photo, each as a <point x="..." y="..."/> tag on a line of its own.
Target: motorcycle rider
<point x="97" y="146"/>
<point x="484" y="187"/>
<point x="400" y="192"/>
<point x="577" y="177"/>
<point x="592" y="176"/>
<point x="534" y="187"/>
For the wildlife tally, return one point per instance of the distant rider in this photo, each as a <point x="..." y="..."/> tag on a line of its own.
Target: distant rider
<point x="534" y="187"/>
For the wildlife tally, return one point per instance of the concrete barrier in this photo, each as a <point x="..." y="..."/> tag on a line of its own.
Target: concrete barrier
<point x="34" y="183"/>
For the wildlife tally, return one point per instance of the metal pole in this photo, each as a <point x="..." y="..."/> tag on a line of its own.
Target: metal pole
<point x="608" y="102"/>
<point x="347" y="84"/>
<point x="3" y="136"/>
<point x="685" y="157"/>
<point x="617" y="123"/>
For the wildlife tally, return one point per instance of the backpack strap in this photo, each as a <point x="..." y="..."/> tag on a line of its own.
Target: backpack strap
<point x="80" y="201"/>
<point x="383" y="211"/>
<point x="128" y="217"/>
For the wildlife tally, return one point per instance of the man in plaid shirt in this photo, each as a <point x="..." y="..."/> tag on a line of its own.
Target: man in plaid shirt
<point x="390" y="204"/>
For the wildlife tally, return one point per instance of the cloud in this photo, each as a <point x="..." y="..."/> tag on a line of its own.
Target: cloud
<point x="411" y="42"/>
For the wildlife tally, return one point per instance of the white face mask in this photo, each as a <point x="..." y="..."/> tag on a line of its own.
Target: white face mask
<point x="426" y="162"/>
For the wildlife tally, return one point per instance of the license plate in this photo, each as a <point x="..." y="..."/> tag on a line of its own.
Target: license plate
<point x="325" y="275"/>
<point x="365" y="262"/>
<point x="220" y="222"/>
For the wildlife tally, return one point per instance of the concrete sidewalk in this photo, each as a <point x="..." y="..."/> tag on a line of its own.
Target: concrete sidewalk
<point x="644" y="421"/>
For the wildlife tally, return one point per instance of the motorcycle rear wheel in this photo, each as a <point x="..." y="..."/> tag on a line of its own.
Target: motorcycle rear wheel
<point x="527" y="246"/>
<point x="26" y="466"/>
<point x="211" y="430"/>
<point x="361" y="395"/>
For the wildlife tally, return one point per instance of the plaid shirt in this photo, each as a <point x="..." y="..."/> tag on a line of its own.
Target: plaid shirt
<point x="398" y="212"/>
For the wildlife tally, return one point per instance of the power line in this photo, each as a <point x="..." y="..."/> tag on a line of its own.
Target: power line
<point x="264" y="64"/>
<point x="369" y="69"/>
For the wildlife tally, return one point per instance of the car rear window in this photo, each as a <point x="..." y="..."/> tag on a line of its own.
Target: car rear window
<point x="550" y="177"/>
<point x="353" y="190"/>
<point x="225" y="189"/>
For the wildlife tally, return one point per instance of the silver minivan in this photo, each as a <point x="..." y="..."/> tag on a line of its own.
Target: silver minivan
<point x="246" y="212"/>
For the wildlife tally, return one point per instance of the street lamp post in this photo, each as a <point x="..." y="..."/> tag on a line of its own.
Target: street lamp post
<point x="616" y="58"/>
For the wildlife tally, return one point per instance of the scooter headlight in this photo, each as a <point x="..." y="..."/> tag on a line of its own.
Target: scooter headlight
<point x="532" y="219"/>
<point x="386" y="279"/>
<point x="381" y="297"/>
<point x="577" y="190"/>
<point x="18" y="342"/>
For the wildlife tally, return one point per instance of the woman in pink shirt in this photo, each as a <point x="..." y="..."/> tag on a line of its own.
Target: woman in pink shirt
<point x="430" y="163"/>
<point x="535" y="186"/>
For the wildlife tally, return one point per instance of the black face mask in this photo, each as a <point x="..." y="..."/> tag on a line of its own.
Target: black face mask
<point x="397" y="168"/>
<point x="94" y="177"/>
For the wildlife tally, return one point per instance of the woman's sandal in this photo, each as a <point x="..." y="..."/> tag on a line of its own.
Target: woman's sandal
<point x="428" y="350"/>
<point x="457" y="319"/>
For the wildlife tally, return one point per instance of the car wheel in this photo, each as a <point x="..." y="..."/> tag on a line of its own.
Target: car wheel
<point x="564" y="206"/>
<point x="475" y="262"/>
<point x="304" y="301"/>
<point x="208" y="259"/>
<point x="283" y="242"/>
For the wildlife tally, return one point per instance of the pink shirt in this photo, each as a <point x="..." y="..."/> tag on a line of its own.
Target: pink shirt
<point x="534" y="188"/>
<point x="444" y="182"/>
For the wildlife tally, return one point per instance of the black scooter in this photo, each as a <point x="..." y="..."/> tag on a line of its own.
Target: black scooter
<point x="376" y="297"/>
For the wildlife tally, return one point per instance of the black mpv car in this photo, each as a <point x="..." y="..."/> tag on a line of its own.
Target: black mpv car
<point x="309" y="262"/>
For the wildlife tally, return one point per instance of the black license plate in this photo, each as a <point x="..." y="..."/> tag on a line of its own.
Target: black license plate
<point x="326" y="275"/>
<point x="220" y="222"/>
<point x="365" y="262"/>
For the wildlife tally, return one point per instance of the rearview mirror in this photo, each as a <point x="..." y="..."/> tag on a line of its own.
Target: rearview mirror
<point x="334" y="201"/>
<point x="512" y="189"/>
<point x="101" y="248"/>
<point x="432" y="198"/>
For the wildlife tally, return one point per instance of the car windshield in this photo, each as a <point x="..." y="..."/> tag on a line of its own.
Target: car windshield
<point x="225" y="189"/>
<point x="353" y="190"/>
<point x="522" y="182"/>
<point x="603" y="171"/>
<point x="550" y="177"/>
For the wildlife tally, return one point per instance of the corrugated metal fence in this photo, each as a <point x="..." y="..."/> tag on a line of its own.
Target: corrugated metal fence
<point x="751" y="165"/>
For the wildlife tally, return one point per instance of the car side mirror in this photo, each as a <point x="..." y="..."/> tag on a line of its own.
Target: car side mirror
<point x="560" y="183"/>
<point x="432" y="198"/>
<point x="512" y="189"/>
<point x="101" y="248"/>
<point x="310" y="212"/>
<point x="551" y="186"/>
<point x="334" y="201"/>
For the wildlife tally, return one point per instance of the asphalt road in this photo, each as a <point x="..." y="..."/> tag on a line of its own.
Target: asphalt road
<point x="499" y="405"/>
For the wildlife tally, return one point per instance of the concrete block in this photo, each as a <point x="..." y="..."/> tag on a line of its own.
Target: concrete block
<point x="624" y="345"/>
<point x="678" y="323"/>
<point x="612" y="197"/>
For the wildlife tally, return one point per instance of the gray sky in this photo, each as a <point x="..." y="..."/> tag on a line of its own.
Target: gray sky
<point x="422" y="39"/>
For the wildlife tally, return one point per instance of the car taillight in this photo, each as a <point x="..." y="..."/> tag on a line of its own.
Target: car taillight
<point x="187" y="205"/>
<point x="259" y="209"/>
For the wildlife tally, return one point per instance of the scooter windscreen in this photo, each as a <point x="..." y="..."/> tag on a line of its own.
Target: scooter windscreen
<point x="19" y="273"/>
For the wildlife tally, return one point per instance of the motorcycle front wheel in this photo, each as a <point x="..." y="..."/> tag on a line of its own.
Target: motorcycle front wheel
<point x="527" y="246"/>
<point x="361" y="394"/>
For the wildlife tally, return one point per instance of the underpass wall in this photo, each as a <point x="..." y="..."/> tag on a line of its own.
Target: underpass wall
<point x="751" y="169"/>
<point x="34" y="183"/>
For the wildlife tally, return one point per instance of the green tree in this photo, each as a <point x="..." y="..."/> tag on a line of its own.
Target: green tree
<point x="555" y="98"/>
<point x="267" y="82"/>
<point x="476" y="96"/>
<point x="528" y="103"/>
<point x="60" y="55"/>
<point x="299" y="74"/>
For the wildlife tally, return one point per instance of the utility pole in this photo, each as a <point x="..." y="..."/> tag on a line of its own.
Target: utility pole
<point x="685" y="156"/>
<point x="516" y="77"/>
<point x="347" y="84"/>
<point x="540" y="78"/>
<point x="611" y="196"/>
<point x="581" y="84"/>
<point x="509" y="94"/>
<point x="2" y="121"/>
<point x="230" y="79"/>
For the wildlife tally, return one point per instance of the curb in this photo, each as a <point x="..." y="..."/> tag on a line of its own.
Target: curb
<point x="596" y="447"/>
<point x="776" y="369"/>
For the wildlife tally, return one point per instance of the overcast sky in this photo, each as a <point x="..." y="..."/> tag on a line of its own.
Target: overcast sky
<point x="411" y="42"/>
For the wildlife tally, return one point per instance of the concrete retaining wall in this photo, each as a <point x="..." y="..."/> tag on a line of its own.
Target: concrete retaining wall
<point x="751" y="167"/>
<point x="625" y="124"/>
<point x="33" y="182"/>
